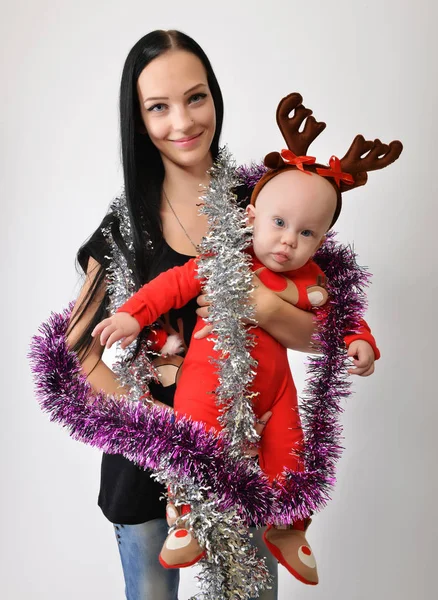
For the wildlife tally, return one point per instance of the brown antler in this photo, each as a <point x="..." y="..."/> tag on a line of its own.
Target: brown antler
<point x="364" y="156"/>
<point x="296" y="140"/>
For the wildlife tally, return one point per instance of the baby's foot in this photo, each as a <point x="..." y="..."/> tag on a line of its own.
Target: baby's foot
<point x="291" y="549"/>
<point x="181" y="549"/>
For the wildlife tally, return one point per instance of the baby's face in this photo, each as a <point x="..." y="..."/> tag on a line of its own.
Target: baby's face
<point x="293" y="212"/>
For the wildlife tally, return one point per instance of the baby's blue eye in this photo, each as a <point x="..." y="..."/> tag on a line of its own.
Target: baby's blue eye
<point x="279" y="222"/>
<point x="307" y="233"/>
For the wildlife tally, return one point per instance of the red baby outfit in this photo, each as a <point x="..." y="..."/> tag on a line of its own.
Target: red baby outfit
<point x="194" y="397"/>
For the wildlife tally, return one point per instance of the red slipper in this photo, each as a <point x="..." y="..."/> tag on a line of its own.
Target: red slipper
<point x="291" y="549"/>
<point x="181" y="549"/>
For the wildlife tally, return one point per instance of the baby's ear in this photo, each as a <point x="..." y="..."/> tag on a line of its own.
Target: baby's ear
<point x="250" y="214"/>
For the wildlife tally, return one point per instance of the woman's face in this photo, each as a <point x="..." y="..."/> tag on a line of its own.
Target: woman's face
<point x="177" y="108"/>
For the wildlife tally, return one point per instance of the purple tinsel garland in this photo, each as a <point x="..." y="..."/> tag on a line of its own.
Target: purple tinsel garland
<point x="141" y="432"/>
<point x="250" y="175"/>
<point x="326" y="383"/>
<point x="146" y="434"/>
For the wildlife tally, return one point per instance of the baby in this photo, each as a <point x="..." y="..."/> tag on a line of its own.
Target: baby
<point x="292" y="207"/>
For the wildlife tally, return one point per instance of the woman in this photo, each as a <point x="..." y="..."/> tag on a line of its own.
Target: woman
<point x="171" y="114"/>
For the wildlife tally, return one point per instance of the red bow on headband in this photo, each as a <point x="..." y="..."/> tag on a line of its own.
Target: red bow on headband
<point x="292" y="159"/>
<point x="335" y="172"/>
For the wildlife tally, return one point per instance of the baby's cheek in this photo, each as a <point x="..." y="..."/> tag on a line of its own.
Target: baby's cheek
<point x="256" y="241"/>
<point x="259" y="250"/>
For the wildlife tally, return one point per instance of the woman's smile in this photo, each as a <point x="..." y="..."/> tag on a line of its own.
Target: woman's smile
<point x="187" y="142"/>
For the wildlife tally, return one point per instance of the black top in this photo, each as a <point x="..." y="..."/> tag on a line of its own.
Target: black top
<point x="128" y="495"/>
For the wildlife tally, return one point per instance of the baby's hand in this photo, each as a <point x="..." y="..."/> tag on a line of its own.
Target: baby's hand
<point x="363" y="358"/>
<point x="120" y="326"/>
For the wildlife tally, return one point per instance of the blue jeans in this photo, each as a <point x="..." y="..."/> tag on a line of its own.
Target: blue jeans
<point x="146" y="579"/>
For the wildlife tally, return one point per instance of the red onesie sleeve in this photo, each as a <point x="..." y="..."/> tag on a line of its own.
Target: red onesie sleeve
<point x="171" y="289"/>
<point x="363" y="333"/>
<point x="309" y="276"/>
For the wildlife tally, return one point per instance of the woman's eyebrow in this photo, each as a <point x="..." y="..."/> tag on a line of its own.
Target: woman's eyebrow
<point x="167" y="97"/>
<point x="194" y="87"/>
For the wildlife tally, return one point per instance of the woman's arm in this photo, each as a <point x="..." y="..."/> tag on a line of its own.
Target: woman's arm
<point x="289" y="325"/>
<point x="98" y="374"/>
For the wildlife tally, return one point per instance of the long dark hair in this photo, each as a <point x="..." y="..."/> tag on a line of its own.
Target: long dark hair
<point x="143" y="173"/>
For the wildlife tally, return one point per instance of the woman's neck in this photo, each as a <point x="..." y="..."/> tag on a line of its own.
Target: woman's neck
<point x="183" y="184"/>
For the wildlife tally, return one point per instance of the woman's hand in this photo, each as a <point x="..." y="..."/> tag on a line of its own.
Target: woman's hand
<point x="202" y="312"/>
<point x="258" y="298"/>
<point x="121" y="326"/>
<point x="259" y="427"/>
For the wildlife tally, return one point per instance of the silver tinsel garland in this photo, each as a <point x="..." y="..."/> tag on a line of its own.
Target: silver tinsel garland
<point x="231" y="568"/>
<point x="133" y="374"/>
<point x="226" y="269"/>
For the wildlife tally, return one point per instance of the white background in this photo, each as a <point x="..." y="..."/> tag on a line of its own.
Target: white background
<point x="363" y="66"/>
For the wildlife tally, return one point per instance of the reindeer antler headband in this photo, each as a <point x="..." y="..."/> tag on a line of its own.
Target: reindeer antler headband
<point x="345" y="173"/>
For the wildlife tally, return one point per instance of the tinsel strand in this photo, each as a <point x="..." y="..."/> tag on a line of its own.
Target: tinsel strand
<point x="225" y="267"/>
<point x="132" y="375"/>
